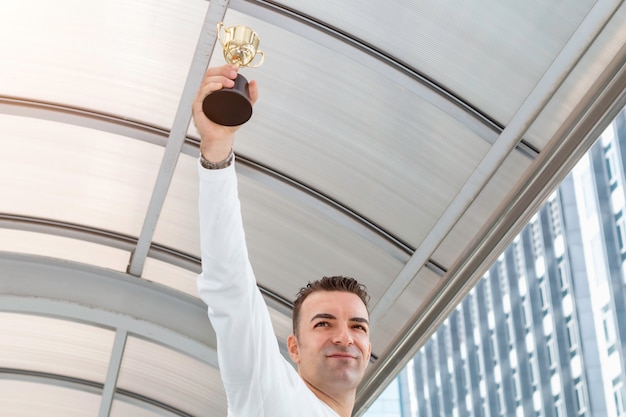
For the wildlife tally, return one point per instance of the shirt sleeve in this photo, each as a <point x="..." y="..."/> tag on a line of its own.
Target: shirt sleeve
<point x="249" y="357"/>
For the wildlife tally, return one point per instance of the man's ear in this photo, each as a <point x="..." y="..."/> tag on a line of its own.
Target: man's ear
<point x="294" y="348"/>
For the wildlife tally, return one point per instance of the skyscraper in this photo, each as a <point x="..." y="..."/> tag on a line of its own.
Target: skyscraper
<point x="543" y="333"/>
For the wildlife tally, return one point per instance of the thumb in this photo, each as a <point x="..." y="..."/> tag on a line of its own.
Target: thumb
<point x="253" y="91"/>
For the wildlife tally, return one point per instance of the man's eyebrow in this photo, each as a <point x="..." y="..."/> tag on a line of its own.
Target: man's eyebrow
<point x="324" y="316"/>
<point x="331" y="317"/>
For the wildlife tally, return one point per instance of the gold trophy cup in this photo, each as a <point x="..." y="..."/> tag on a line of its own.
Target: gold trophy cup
<point x="231" y="106"/>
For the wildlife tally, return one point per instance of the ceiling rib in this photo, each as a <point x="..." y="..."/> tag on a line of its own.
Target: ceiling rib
<point x="76" y="116"/>
<point x="147" y="403"/>
<point x="527" y="149"/>
<point x="375" y="59"/>
<point x="585" y="124"/>
<point x="157" y="313"/>
<point x="432" y="92"/>
<point x="124" y="242"/>
<point x="97" y="236"/>
<point x="339" y="213"/>
<point x="543" y="91"/>
<point x="199" y="64"/>
<point x="115" y="363"/>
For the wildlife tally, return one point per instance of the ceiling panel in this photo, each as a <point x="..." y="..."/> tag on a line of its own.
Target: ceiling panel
<point x="178" y="222"/>
<point x="27" y="399"/>
<point x="59" y="247"/>
<point x="477" y="215"/>
<point x="118" y="57"/>
<point x="472" y="48"/>
<point x="53" y="346"/>
<point x="177" y="380"/>
<point x="122" y="407"/>
<point x="164" y="273"/>
<point x="288" y="239"/>
<point x="375" y="157"/>
<point x="415" y="297"/>
<point x="601" y="53"/>
<point x="76" y="175"/>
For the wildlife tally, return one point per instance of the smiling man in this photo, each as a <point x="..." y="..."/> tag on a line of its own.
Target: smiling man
<point x="330" y="342"/>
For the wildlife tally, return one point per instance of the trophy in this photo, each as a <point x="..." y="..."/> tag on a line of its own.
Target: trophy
<point x="231" y="106"/>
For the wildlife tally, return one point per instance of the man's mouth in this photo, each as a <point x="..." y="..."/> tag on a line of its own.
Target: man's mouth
<point x="340" y="356"/>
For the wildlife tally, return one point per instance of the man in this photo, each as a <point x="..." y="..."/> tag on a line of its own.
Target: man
<point x="330" y="344"/>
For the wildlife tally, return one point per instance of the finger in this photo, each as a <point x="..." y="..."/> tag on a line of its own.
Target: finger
<point x="215" y="81"/>
<point x="216" y="84"/>
<point x="216" y="78"/>
<point x="221" y="70"/>
<point x="211" y="85"/>
<point x="253" y="91"/>
<point x="227" y="71"/>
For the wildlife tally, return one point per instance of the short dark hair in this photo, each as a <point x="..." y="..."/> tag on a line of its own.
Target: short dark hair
<point x="334" y="283"/>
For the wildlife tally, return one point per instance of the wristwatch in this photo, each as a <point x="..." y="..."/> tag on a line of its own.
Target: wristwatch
<point x="217" y="165"/>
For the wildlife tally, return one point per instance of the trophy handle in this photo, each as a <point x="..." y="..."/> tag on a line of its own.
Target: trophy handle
<point x="260" y="62"/>
<point x="220" y="26"/>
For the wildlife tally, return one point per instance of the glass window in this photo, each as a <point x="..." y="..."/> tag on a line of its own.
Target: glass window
<point x="552" y="357"/>
<point x="543" y="295"/>
<point x="580" y="398"/>
<point x="620" y="227"/>
<point x="620" y="407"/>
<point x="558" y="409"/>
<point x="571" y="335"/>
<point x="563" y="275"/>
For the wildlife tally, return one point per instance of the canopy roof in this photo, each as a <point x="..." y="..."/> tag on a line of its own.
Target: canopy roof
<point x="402" y="143"/>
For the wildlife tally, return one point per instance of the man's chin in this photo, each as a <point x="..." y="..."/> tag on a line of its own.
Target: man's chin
<point x="346" y="377"/>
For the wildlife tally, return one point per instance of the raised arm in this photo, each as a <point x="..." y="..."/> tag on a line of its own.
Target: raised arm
<point x="248" y="351"/>
<point x="224" y="252"/>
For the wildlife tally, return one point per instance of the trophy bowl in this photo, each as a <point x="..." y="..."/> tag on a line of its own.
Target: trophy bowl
<point x="232" y="106"/>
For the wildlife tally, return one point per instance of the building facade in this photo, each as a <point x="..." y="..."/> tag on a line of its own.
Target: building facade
<point x="543" y="333"/>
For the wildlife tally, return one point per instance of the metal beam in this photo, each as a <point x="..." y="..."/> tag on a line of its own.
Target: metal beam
<point x="76" y="116"/>
<point x="199" y="64"/>
<point x="97" y="236"/>
<point x="126" y="243"/>
<point x="151" y="405"/>
<point x="115" y="364"/>
<point x="544" y="90"/>
<point x="84" y="293"/>
<point x="75" y="291"/>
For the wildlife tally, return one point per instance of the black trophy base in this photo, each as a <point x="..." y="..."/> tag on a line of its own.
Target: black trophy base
<point x="229" y="106"/>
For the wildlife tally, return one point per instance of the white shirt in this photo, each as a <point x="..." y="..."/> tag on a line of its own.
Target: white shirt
<point x="258" y="379"/>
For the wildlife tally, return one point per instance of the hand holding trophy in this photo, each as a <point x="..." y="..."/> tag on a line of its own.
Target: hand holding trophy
<point x="231" y="106"/>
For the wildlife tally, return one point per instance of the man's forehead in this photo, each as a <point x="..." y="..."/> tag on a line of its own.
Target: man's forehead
<point x="327" y="302"/>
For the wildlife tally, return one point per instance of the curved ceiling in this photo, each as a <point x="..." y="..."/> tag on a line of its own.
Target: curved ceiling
<point x="402" y="143"/>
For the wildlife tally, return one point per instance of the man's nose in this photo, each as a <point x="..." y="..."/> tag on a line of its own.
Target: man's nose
<point x="343" y="336"/>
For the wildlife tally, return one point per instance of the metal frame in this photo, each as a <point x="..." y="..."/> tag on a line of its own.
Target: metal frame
<point x="34" y="295"/>
<point x="600" y="106"/>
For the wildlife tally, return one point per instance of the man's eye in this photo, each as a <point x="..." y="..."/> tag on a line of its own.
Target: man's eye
<point x="321" y="324"/>
<point x="360" y="327"/>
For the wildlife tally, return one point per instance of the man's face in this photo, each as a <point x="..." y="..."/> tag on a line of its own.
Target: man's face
<point x="333" y="347"/>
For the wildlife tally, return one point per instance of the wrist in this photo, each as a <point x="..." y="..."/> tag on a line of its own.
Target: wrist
<point x="224" y="163"/>
<point x="215" y="150"/>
